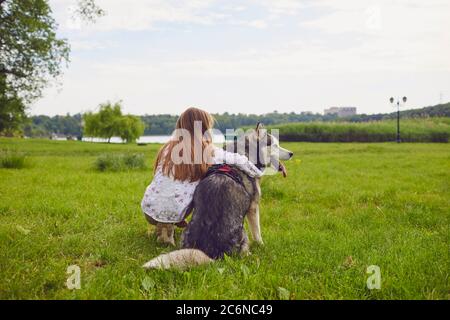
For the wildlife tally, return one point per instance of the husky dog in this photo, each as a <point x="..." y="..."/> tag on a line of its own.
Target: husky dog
<point x="220" y="206"/>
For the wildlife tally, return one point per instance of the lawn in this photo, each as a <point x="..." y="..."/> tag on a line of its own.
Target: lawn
<point x="342" y="208"/>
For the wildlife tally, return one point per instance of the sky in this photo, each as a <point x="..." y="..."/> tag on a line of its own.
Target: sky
<point x="254" y="56"/>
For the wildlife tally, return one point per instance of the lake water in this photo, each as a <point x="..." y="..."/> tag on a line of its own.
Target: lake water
<point x="148" y="139"/>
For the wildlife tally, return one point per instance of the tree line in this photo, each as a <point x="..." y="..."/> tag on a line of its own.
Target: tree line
<point x="163" y="124"/>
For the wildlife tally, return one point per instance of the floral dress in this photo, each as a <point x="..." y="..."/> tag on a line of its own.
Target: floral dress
<point x="166" y="199"/>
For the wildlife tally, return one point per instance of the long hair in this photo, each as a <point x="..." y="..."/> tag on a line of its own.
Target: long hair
<point x="192" y="171"/>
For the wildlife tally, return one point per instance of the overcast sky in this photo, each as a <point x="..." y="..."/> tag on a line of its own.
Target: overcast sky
<point x="254" y="56"/>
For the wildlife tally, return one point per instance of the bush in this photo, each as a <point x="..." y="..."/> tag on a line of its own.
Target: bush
<point x="12" y="161"/>
<point x="120" y="162"/>
<point x="134" y="161"/>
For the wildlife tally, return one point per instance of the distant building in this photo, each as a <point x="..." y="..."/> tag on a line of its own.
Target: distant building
<point x="57" y="136"/>
<point x="341" y="111"/>
<point x="62" y="137"/>
<point x="306" y="113"/>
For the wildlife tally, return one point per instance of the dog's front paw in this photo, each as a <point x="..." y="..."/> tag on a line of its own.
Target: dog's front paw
<point x="245" y="253"/>
<point x="259" y="241"/>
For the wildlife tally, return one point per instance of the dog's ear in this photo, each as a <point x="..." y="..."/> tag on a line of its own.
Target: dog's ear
<point x="260" y="130"/>
<point x="259" y="126"/>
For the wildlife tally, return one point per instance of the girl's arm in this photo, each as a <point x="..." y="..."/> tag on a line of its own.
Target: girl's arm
<point x="240" y="161"/>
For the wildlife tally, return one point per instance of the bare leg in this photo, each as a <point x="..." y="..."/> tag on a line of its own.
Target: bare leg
<point x="253" y="222"/>
<point x="164" y="233"/>
<point x="151" y="222"/>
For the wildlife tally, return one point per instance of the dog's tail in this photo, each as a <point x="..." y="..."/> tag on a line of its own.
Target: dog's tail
<point x="182" y="259"/>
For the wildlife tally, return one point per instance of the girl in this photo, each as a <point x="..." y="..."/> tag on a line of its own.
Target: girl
<point x="167" y="199"/>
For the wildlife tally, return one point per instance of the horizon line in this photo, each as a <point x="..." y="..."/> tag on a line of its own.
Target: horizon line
<point x="246" y="114"/>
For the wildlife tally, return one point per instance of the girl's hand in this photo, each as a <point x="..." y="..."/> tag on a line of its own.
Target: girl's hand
<point x="253" y="171"/>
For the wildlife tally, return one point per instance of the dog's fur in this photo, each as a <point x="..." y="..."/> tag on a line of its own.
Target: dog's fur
<point x="220" y="206"/>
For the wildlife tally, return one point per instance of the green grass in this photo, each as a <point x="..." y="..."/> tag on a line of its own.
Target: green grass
<point x="12" y="160"/>
<point x="119" y="162"/>
<point x="412" y="130"/>
<point x="381" y="204"/>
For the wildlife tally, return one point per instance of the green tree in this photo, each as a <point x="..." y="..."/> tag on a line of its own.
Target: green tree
<point x="88" y="11"/>
<point x="12" y="116"/>
<point x="31" y="54"/>
<point x="109" y="117"/>
<point x="91" y="124"/>
<point x="109" y="122"/>
<point x="12" y="112"/>
<point x="104" y="123"/>
<point x="130" y="128"/>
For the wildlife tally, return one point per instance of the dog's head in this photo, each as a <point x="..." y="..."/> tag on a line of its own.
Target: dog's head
<point x="263" y="149"/>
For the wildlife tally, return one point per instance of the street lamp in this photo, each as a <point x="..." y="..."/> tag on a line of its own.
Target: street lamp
<point x="403" y="102"/>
